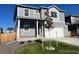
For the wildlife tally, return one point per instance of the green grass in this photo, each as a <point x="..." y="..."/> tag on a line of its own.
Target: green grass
<point x="35" y="48"/>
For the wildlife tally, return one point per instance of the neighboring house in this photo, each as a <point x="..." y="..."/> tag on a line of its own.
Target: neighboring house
<point x="10" y="30"/>
<point x="1" y="30"/>
<point x="30" y="21"/>
<point x="73" y="24"/>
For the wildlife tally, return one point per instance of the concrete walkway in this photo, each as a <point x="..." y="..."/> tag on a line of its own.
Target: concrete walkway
<point x="68" y="40"/>
<point x="10" y="48"/>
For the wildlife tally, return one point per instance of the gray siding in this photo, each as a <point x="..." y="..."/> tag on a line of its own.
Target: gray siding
<point x="74" y="20"/>
<point x="59" y="24"/>
<point x="29" y="32"/>
<point x="62" y="16"/>
<point x="27" y="28"/>
<point x="66" y="30"/>
<point x="33" y="14"/>
<point x="62" y="19"/>
<point x="43" y="17"/>
<point x="62" y="25"/>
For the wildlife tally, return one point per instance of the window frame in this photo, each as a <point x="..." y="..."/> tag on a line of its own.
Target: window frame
<point x="26" y="12"/>
<point x="26" y="25"/>
<point x="54" y="14"/>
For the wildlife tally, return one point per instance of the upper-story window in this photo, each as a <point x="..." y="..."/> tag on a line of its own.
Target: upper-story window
<point x="54" y="14"/>
<point x="37" y="11"/>
<point x="26" y="12"/>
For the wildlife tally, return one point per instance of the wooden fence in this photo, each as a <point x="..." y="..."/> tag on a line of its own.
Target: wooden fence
<point x="7" y="37"/>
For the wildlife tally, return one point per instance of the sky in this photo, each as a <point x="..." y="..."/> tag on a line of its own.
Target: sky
<point x="7" y="12"/>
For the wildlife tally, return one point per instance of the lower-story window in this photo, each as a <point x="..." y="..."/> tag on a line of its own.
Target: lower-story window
<point x="26" y="25"/>
<point x="26" y="28"/>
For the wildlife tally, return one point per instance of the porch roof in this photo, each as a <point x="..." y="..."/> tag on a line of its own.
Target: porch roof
<point x="30" y="18"/>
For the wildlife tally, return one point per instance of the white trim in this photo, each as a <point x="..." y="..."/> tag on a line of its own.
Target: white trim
<point x="18" y="28"/>
<point x="37" y="28"/>
<point x="42" y="30"/>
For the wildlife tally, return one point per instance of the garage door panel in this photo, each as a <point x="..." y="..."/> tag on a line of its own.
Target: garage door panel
<point x="55" y="32"/>
<point x="60" y="32"/>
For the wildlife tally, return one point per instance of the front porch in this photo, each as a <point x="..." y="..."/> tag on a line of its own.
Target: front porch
<point x="29" y="28"/>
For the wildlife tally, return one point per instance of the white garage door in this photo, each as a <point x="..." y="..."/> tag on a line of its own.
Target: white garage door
<point x="55" y="32"/>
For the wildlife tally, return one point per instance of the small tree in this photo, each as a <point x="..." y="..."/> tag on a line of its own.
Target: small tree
<point x="48" y="25"/>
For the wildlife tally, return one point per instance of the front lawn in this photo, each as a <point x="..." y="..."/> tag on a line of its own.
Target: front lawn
<point x="35" y="48"/>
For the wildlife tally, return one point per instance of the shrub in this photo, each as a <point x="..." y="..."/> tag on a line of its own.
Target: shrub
<point x="22" y="42"/>
<point x="38" y="40"/>
<point x="29" y="41"/>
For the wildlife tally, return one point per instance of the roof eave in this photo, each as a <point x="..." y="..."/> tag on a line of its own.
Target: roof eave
<point x="25" y="6"/>
<point x="56" y="8"/>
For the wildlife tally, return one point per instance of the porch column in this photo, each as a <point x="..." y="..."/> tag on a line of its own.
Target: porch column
<point x="42" y="29"/>
<point x="18" y="28"/>
<point x="77" y="29"/>
<point x="36" y="28"/>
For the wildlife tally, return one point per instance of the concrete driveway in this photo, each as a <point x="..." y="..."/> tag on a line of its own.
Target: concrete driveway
<point x="68" y="40"/>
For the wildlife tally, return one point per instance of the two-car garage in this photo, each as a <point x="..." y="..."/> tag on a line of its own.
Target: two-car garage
<point x="54" y="32"/>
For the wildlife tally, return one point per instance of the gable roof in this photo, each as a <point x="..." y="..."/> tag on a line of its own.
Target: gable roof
<point x="56" y="8"/>
<point x="43" y="7"/>
<point x="25" y="6"/>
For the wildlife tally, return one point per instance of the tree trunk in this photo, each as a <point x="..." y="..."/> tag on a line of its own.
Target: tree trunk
<point x="49" y="37"/>
<point x="42" y="45"/>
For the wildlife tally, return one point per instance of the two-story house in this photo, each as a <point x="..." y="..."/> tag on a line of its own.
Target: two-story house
<point x="72" y="22"/>
<point x="30" y="21"/>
